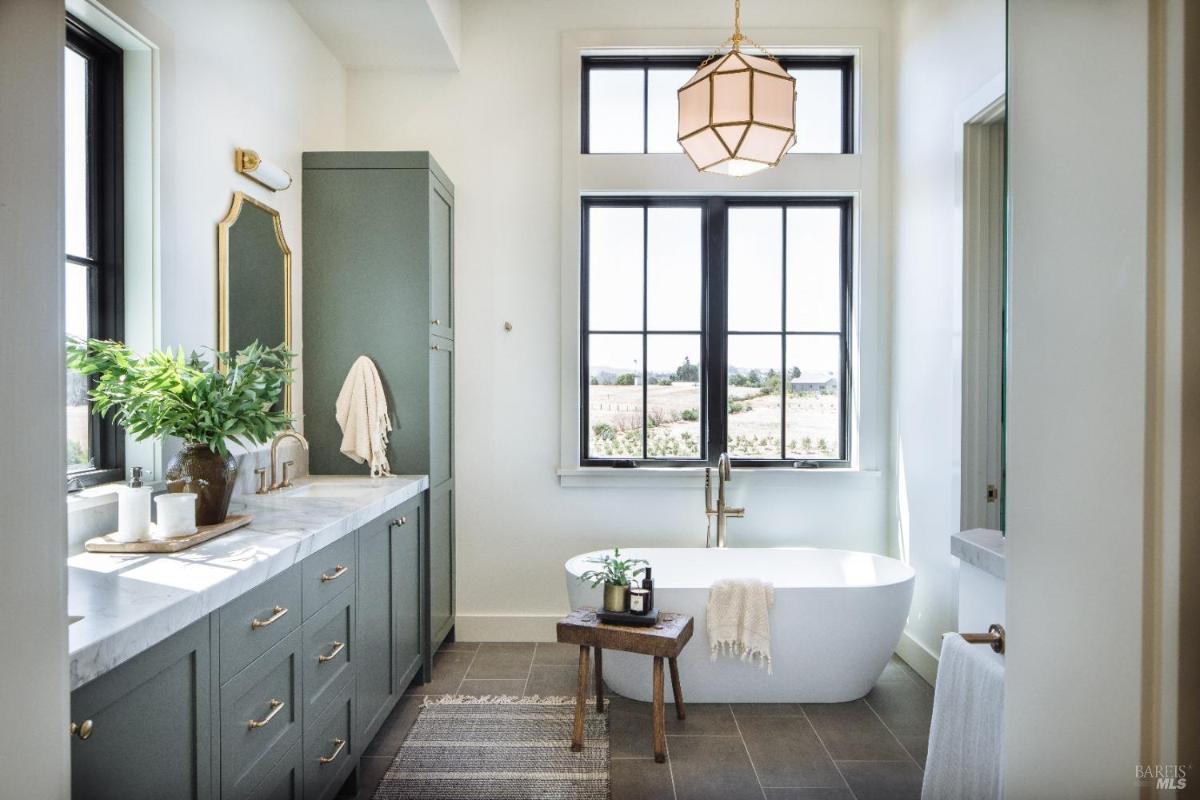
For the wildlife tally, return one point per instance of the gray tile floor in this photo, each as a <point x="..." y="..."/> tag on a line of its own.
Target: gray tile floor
<point x="871" y="748"/>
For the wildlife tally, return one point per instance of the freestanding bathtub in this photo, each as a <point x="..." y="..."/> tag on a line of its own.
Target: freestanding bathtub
<point x="836" y="620"/>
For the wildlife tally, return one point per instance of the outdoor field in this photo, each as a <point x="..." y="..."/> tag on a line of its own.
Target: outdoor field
<point x="615" y="418"/>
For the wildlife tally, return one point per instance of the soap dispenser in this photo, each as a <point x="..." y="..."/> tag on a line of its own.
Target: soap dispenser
<point x="133" y="510"/>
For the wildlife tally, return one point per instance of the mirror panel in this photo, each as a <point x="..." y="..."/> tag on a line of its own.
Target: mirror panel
<point x="254" y="266"/>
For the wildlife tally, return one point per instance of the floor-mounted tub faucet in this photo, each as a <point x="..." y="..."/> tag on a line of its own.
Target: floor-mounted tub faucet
<point x="722" y="512"/>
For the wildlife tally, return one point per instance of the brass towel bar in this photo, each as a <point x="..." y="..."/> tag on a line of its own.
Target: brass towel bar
<point x="993" y="637"/>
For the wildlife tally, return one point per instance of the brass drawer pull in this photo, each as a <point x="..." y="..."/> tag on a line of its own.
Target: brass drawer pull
<point x="435" y="347"/>
<point x="337" y="573"/>
<point x="276" y="707"/>
<point x="436" y="321"/>
<point x="257" y="623"/>
<point x="83" y="730"/>
<point x="337" y="751"/>
<point x="337" y="648"/>
<point x="399" y="521"/>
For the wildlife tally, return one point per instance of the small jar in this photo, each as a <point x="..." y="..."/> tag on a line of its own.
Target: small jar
<point x="176" y="514"/>
<point x="639" y="601"/>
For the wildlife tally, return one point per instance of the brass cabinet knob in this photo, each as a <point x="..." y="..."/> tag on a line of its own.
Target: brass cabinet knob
<point x="83" y="730"/>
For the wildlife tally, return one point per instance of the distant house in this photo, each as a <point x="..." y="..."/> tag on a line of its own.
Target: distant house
<point x="814" y="382"/>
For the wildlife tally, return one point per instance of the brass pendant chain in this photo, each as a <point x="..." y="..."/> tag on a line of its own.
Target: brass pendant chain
<point x="737" y="25"/>
<point x="735" y="42"/>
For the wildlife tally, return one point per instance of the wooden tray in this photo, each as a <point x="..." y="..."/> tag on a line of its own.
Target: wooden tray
<point x="104" y="544"/>
<point x="628" y="618"/>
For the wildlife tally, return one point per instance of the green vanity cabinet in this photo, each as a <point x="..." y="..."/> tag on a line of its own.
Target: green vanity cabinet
<point x="379" y="281"/>
<point x="148" y="724"/>
<point x="389" y="619"/>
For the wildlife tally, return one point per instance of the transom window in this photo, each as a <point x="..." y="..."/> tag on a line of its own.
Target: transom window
<point x="94" y="225"/>
<point x="715" y="324"/>
<point x="629" y="104"/>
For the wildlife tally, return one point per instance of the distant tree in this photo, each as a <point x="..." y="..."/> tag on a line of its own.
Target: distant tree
<point x="754" y="378"/>
<point x="625" y="379"/>
<point x="687" y="372"/>
<point x="795" y="373"/>
<point x="595" y="381"/>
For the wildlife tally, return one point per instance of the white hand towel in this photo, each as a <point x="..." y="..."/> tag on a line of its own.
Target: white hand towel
<point x="362" y="413"/>
<point x="739" y="621"/>
<point x="968" y="716"/>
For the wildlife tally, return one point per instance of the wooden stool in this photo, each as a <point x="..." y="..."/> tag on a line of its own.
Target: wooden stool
<point x="664" y="640"/>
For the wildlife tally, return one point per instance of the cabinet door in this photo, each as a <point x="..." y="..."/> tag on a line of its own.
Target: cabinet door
<point x="441" y="562"/>
<point x="150" y="724"/>
<point x="376" y="633"/>
<point x="441" y="260"/>
<point x="441" y="411"/>
<point x="407" y="551"/>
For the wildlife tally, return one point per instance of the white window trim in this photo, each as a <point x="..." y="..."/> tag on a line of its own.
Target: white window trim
<point x="856" y="175"/>
<point x="142" y="251"/>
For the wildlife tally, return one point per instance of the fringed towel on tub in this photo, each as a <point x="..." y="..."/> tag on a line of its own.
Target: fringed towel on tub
<point x="739" y="621"/>
<point x="968" y="713"/>
<point x="362" y="413"/>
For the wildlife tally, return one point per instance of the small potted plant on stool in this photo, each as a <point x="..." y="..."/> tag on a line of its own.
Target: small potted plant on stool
<point x="615" y="573"/>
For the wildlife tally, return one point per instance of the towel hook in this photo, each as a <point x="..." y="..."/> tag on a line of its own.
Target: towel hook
<point x="994" y="637"/>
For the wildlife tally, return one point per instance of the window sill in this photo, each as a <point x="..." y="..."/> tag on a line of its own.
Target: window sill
<point x="692" y="477"/>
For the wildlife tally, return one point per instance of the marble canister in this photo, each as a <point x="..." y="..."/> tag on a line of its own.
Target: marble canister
<point x="176" y="515"/>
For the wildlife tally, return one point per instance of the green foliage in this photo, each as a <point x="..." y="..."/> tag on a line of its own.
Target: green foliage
<point x="687" y="372"/>
<point x="602" y="430"/>
<point x="795" y="373"/>
<point x="625" y="379"/>
<point x="690" y="415"/>
<point x="594" y="381"/>
<point x="614" y="569"/>
<point x="76" y="454"/>
<point x="735" y="407"/>
<point x="164" y="394"/>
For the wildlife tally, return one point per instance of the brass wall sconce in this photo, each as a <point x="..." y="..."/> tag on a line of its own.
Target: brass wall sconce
<point x="252" y="165"/>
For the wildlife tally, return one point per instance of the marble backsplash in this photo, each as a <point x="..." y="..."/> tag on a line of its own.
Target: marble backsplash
<point x="93" y="512"/>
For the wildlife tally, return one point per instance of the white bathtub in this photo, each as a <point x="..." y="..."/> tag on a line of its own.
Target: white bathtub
<point x="837" y="618"/>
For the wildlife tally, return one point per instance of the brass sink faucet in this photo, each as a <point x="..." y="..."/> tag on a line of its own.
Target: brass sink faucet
<point x="287" y="479"/>
<point x="722" y="512"/>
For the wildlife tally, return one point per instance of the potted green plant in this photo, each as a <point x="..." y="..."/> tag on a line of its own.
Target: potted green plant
<point x="234" y="398"/>
<point x="615" y="573"/>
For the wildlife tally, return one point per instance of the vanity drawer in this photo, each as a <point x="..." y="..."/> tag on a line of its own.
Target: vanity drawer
<point x="329" y="651"/>
<point x="285" y="780"/>
<point x="254" y="622"/>
<point x="327" y="573"/>
<point x="261" y="717"/>
<point x="329" y="747"/>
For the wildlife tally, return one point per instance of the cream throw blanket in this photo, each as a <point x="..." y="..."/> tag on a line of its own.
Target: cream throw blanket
<point x="362" y="413"/>
<point x="738" y="619"/>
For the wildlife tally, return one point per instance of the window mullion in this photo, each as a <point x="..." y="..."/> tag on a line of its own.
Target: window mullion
<point x="716" y="370"/>
<point x="783" y="270"/>
<point x="645" y="327"/>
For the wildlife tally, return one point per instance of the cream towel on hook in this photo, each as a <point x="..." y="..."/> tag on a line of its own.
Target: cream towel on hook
<point x="362" y="413"/>
<point x="739" y="622"/>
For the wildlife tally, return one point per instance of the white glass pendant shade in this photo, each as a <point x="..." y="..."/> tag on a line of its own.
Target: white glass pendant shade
<point x="737" y="114"/>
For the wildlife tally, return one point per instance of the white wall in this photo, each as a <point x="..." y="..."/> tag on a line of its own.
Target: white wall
<point x="33" y="603"/>
<point x="496" y="128"/>
<point x="1079" y="172"/>
<point x="945" y="51"/>
<point x="232" y="74"/>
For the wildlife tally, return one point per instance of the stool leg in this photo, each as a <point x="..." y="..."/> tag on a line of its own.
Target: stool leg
<point x="599" y="681"/>
<point x="660" y="728"/>
<point x="677" y="690"/>
<point x="580" y="700"/>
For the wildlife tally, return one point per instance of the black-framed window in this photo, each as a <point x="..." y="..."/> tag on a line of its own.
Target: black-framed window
<point x="629" y="103"/>
<point x="715" y="324"/>
<point x="93" y="235"/>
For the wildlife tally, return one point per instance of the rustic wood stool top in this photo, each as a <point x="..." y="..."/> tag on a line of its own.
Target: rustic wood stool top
<point x="665" y="639"/>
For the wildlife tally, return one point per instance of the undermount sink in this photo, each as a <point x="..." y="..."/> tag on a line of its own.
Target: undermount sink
<point x="330" y="490"/>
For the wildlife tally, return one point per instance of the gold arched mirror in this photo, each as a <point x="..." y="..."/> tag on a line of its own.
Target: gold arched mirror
<point x="254" y="279"/>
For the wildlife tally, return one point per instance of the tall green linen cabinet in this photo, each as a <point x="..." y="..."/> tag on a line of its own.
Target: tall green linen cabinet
<point x="378" y="278"/>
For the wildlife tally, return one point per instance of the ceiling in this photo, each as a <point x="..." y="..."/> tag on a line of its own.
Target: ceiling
<point x="387" y="34"/>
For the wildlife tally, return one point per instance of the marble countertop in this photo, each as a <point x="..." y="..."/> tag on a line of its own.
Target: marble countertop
<point x="980" y="547"/>
<point x="130" y="602"/>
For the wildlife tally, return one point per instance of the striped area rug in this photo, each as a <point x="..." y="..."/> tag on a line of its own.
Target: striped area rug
<point x="499" y="748"/>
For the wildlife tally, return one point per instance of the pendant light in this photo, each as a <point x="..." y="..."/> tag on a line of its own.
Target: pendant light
<point x="737" y="114"/>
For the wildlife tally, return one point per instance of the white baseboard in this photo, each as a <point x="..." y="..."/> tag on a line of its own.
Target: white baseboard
<point x="923" y="661"/>
<point x="496" y="628"/>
